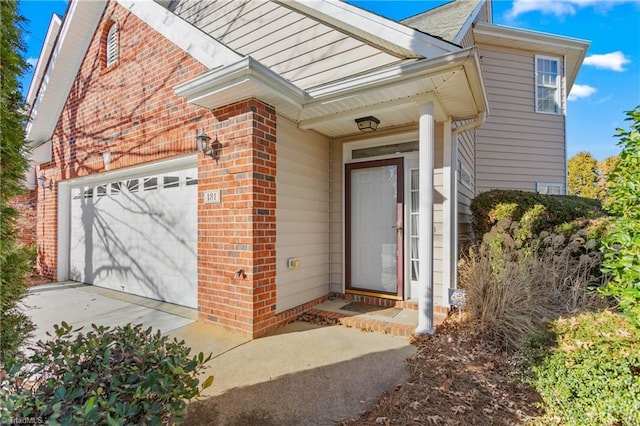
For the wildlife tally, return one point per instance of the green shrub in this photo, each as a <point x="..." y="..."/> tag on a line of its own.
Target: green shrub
<point x="622" y="240"/>
<point x="515" y="285"/>
<point x="15" y="325"/>
<point x="543" y="212"/>
<point x="592" y="375"/>
<point x="124" y="375"/>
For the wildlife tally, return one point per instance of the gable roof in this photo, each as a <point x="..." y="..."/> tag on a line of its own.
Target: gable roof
<point x="448" y="21"/>
<point x="284" y="48"/>
<point x="573" y="50"/>
<point x="309" y="44"/>
<point x="50" y="88"/>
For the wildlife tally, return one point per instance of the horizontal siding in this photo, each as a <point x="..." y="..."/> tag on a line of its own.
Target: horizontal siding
<point x="466" y="155"/>
<point x="516" y="147"/>
<point x="302" y="215"/>
<point x="299" y="48"/>
<point x="337" y="208"/>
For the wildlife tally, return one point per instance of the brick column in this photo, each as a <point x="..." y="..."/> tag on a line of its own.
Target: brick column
<point x="237" y="236"/>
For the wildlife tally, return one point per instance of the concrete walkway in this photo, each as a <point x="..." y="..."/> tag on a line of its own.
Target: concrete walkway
<point x="301" y="375"/>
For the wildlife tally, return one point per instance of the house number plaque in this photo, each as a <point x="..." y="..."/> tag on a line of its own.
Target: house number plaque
<point x="212" y="197"/>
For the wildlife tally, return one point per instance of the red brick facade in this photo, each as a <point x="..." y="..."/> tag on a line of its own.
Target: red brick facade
<point x="237" y="237"/>
<point x="130" y="110"/>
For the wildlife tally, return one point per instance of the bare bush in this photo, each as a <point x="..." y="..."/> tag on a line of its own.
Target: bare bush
<point x="515" y="285"/>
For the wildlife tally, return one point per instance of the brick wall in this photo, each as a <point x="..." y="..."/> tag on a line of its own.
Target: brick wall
<point x="236" y="242"/>
<point x="131" y="111"/>
<point x="128" y="109"/>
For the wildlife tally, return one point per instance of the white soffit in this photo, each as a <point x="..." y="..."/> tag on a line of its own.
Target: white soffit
<point x="66" y="56"/>
<point x="454" y="80"/>
<point x="382" y="32"/>
<point x="573" y="49"/>
<point x="244" y="79"/>
<point x="41" y="66"/>
<point x="196" y="43"/>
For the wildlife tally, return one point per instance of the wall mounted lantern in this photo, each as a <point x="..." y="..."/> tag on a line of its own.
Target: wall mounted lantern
<point x="204" y="144"/>
<point x="43" y="181"/>
<point x="367" y="124"/>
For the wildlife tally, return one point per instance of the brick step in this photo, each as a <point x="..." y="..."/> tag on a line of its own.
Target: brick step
<point x="367" y="323"/>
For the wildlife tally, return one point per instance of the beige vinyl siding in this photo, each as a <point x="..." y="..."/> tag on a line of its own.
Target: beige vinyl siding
<point x="467" y="40"/>
<point x="297" y="47"/>
<point x="516" y="147"/>
<point x="439" y="296"/>
<point x="466" y="146"/>
<point x="337" y="209"/>
<point x="483" y="16"/>
<point x="302" y="215"/>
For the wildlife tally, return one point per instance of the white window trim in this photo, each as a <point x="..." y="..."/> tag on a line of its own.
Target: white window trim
<point x="462" y="168"/>
<point x="560" y="186"/>
<point x="112" y="46"/>
<point x="559" y="101"/>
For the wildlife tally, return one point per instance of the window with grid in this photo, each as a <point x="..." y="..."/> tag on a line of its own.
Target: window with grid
<point x="414" y="217"/>
<point x="112" y="45"/>
<point x="547" y="85"/>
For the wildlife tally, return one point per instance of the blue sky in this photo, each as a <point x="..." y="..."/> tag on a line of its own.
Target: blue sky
<point x="607" y="86"/>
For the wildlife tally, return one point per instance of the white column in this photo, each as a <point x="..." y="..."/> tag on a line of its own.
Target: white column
<point x="448" y="206"/>
<point x="426" y="139"/>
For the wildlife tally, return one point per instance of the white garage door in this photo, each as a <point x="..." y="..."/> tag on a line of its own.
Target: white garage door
<point x="138" y="235"/>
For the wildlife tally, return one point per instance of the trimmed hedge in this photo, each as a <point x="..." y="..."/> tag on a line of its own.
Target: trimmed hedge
<point x="545" y="211"/>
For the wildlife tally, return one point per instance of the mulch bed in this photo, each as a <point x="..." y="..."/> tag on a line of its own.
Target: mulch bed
<point x="34" y="279"/>
<point x="317" y="319"/>
<point x="456" y="379"/>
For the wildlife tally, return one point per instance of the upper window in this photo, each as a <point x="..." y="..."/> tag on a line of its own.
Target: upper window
<point x="547" y="85"/>
<point x="111" y="47"/>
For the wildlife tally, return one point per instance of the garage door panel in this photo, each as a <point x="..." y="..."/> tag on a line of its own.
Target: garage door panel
<point x="138" y="236"/>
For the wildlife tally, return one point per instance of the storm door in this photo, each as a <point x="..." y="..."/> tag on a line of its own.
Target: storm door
<point x="374" y="227"/>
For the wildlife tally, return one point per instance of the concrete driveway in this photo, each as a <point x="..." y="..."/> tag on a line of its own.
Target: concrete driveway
<point x="301" y="375"/>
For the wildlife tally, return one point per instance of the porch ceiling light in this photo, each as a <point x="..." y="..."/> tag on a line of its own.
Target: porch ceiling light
<point x="203" y="143"/>
<point x="367" y="124"/>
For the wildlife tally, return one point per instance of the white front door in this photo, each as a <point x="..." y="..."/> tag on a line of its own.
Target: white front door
<point x="138" y="235"/>
<point x="374" y="224"/>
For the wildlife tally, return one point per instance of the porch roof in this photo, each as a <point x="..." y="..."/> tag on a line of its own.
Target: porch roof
<point x="392" y="93"/>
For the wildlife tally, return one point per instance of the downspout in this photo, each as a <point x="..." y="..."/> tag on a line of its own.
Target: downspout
<point x="453" y="213"/>
<point x="331" y="216"/>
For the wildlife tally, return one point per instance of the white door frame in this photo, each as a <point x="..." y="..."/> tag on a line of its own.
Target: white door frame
<point x="410" y="158"/>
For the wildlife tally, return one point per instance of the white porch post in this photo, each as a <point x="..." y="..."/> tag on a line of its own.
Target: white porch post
<point x="449" y="216"/>
<point x="425" y="225"/>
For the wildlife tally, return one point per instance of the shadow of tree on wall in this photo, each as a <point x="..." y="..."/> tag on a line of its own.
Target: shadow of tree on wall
<point x="132" y="112"/>
<point x="132" y="244"/>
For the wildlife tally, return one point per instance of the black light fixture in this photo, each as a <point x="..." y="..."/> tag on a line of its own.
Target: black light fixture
<point x="43" y="181"/>
<point x="367" y="124"/>
<point x="203" y="143"/>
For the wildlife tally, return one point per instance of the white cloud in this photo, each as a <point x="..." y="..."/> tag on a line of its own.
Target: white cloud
<point x="581" y="91"/>
<point x="559" y="8"/>
<point x="32" y="61"/>
<point x="611" y="61"/>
